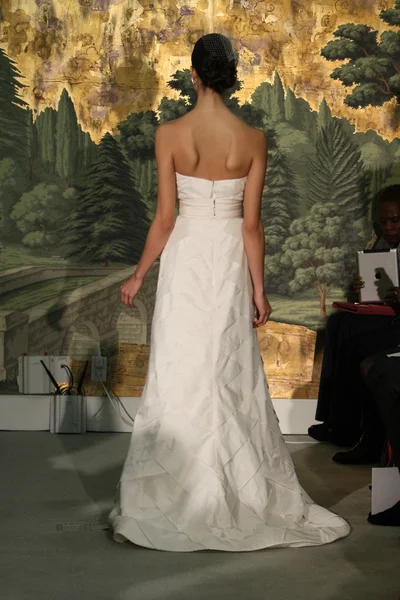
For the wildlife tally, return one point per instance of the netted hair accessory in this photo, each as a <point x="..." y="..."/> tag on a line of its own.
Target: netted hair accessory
<point x="219" y="46"/>
<point x="215" y="62"/>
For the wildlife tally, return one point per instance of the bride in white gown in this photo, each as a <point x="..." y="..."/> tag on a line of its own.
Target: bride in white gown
<point x="207" y="466"/>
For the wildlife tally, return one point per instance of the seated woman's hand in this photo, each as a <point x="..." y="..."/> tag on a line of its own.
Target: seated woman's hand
<point x="358" y="283"/>
<point x="393" y="296"/>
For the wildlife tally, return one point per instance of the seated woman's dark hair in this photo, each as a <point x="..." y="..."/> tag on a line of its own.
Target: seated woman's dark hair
<point x="215" y="62"/>
<point x="391" y="193"/>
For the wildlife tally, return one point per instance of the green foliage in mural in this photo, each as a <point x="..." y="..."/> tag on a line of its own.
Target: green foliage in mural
<point x="46" y="127"/>
<point x="88" y="150"/>
<point x="261" y="98"/>
<point x="66" y="139"/>
<point x="145" y="180"/>
<point x="170" y="109"/>
<point x="137" y="133"/>
<point x="336" y="173"/>
<point x="181" y="82"/>
<point x="110" y="220"/>
<point x="39" y="213"/>
<point x="280" y="206"/>
<point x="391" y="16"/>
<point x="56" y="184"/>
<point x="373" y="65"/>
<point x="320" y="251"/>
<point x="12" y="115"/>
<point x="277" y="109"/>
<point x="32" y="144"/>
<point x="9" y="188"/>
<point x="324" y="115"/>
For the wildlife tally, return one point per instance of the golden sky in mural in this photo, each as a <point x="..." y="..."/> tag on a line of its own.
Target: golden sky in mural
<point x="116" y="56"/>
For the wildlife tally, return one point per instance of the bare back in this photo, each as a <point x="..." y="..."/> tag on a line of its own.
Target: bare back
<point x="212" y="145"/>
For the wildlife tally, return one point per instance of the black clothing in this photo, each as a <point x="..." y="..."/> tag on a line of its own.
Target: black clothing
<point x="382" y="377"/>
<point x="349" y="338"/>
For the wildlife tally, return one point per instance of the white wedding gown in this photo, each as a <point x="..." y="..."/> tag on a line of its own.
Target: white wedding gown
<point x="207" y="466"/>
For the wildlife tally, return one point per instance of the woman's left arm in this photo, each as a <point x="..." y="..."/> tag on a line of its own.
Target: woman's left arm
<point x="163" y="222"/>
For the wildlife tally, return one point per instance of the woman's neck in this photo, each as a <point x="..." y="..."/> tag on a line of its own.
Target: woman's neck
<point x="208" y="100"/>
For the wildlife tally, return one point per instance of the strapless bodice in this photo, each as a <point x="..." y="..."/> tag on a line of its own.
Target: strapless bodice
<point x="205" y="199"/>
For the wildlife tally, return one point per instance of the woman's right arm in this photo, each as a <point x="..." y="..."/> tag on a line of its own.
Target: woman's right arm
<point x="163" y="223"/>
<point x="253" y="229"/>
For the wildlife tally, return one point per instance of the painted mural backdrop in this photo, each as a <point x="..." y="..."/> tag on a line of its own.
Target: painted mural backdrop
<point x="84" y="85"/>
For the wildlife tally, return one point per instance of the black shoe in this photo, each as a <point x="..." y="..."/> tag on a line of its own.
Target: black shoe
<point x="368" y="451"/>
<point x="320" y="432"/>
<point x="390" y="517"/>
<point x="323" y="433"/>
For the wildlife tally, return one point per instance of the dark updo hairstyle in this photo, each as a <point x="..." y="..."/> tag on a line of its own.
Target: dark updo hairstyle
<point x="215" y="62"/>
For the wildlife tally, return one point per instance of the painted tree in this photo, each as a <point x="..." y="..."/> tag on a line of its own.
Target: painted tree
<point x="137" y="134"/>
<point x="280" y="207"/>
<point x="145" y="180"/>
<point x="66" y="139"/>
<point x="261" y="97"/>
<point x="170" y="109"/>
<point x="373" y="64"/>
<point x="277" y="114"/>
<point x="298" y="149"/>
<point x="320" y="251"/>
<point x="110" y="221"/>
<point x="32" y="144"/>
<point x="38" y="215"/>
<point x="291" y="108"/>
<point x="181" y="82"/>
<point x="89" y="150"/>
<point x="280" y="201"/>
<point x="336" y="173"/>
<point x="322" y="245"/>
<point x="12" y="111"/>
<point x="14" y="142"/>
<point x="46" y="123"/>
<point x="378" y="163"/>
<point x="9" y="184"/>
<point x="298" y="113"/>
<point x="324" y="115"/>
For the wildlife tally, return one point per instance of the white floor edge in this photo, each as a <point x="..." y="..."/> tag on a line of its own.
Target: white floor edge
<point x="32" y="413"/>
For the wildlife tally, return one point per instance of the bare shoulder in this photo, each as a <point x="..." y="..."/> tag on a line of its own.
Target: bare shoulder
<point x="165" y="131"/>
<point x="259" y="137"/>
<point x="168" y="132"/>
<point x="256" y="137"/>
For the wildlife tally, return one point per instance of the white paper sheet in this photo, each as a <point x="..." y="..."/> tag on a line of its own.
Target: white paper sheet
<point x="385" y="488"/>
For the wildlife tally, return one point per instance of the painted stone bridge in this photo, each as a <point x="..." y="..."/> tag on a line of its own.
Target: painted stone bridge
<point x="79" y="324"/>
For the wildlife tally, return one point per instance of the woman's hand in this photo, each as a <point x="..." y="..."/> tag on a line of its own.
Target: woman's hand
<point x="263" y="309"/>
<point x="130" y="289"/>
<point x="358" y="283"/>
<point x="393" y="296"/>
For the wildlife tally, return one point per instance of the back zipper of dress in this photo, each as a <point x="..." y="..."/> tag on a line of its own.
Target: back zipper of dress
<point x="213" y="198"/>
<point x="213" y="345"/>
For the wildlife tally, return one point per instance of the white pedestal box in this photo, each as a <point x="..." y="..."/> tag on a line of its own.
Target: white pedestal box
<point x="67" y="414"/>
<point x="32" y="377"/>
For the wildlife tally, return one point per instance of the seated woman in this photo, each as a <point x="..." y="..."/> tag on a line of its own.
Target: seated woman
<point x="341" y="385"/>
<point x="369" y="448"/>
<point x="382" y="411"/>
